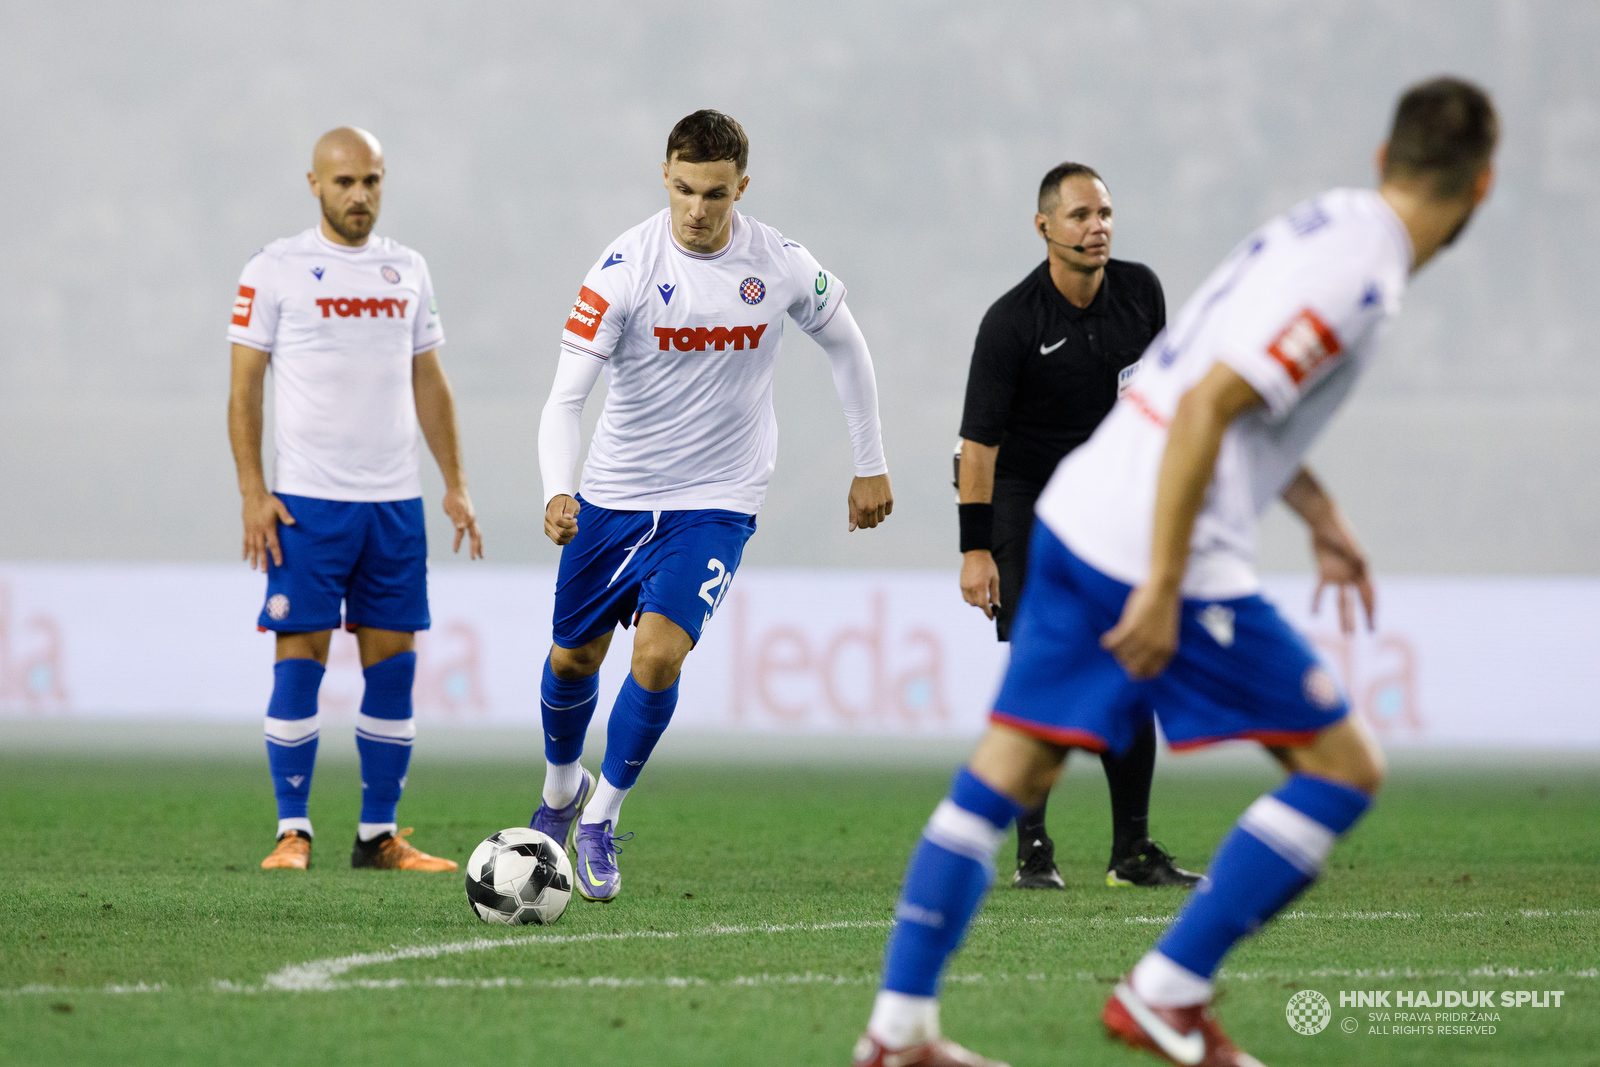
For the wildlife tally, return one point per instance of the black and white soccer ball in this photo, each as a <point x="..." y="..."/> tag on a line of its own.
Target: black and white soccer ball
<point x="519" y="876"/>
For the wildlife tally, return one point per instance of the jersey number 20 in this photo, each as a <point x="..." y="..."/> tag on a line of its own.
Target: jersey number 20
<point x="716" y="587"/>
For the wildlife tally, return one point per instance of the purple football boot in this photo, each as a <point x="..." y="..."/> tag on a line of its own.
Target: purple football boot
<point x="596" y="866"/>
<point x="557" y="822"/>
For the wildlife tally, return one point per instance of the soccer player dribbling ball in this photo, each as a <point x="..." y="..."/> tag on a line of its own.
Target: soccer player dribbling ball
<point x="350" y="328"/>
<point x="1141" y="587"/>
<point x="684" y="315"/>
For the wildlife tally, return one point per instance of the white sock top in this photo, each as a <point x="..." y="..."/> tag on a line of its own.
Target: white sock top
<point x="605" y="804"/>
<point x="368" y="830"/>
<point x="1162" y="983"/>
<point x="562" y="782"/>
<point x="900" y="1020"/>
<point x="303" y="825"/>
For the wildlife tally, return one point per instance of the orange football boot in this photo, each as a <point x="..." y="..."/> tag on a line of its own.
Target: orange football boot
<point x="292" y="854"/>
<point x="1190" y="1037"/>
<point x="390" y="852"/>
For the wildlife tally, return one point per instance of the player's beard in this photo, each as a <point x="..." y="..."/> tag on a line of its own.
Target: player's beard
<point x="352" y="230"/>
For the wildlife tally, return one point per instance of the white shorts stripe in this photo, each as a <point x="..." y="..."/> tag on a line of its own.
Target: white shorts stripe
<point x="1294" y="835"/>
<point x="963" y="833"/>
<point x="291" y="732"/>
<point x="396" y="731"/>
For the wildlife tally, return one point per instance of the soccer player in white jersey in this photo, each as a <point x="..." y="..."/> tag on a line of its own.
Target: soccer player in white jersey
<point x="684" y="315"/>
<point x="1142" y="592"/>
<point x="349" y="326"/>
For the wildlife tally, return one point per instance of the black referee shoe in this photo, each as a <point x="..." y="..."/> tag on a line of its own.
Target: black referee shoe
<point x="1036" y="865"/>
<point x="1148" y="864"/>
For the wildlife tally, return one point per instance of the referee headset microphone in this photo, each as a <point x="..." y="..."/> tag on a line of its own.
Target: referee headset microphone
<point x="1044" y="232"/>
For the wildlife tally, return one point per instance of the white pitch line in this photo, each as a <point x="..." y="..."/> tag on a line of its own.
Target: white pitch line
<point x="607" y="981"/>
<point x="319" y="974"/>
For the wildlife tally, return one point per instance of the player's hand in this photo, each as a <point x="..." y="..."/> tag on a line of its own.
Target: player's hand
<point x="1342" y="564"/>
<point x="458" y="505"/>
<point x="561" y="519"/>
<point x="262" y="513"/>
<point x="980" y="581"/>
<point x="871" y="501"/>
<point x="1145" y="639"/>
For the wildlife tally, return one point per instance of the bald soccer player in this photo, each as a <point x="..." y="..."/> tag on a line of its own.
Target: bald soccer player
<point x="351" y="330"/>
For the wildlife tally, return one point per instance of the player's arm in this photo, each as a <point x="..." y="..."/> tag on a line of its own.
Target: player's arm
<point x="1146" y="636"/>
<point x="560" y="437"/>
<point x="262" y="510"/>
<point x="436" y="412"/>
<point x="1341" y="562"/>
<point x="980" y="578"/>
<point x="871" y="500"/>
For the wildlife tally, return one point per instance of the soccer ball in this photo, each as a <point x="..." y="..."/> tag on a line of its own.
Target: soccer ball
<point x="519" y="876"/>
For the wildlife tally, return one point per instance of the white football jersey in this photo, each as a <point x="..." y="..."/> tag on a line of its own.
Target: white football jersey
<point x="1296" y="310"/>
<point x="689" y="343"/>
<point x="342" y="325"/>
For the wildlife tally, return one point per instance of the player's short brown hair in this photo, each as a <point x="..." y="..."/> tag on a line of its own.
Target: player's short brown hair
<point x="1050" y="187"/>
<point x="708" y="137"/>
<point x="1445" y="130"/>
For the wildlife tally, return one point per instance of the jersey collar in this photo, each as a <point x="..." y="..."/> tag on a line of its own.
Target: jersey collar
<point x="733" y="235"/>
<point x="343" y="250"/>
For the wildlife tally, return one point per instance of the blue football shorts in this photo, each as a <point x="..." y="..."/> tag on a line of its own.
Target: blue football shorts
<point x="372" y="557"/>
<point x="1240" y="671"/>
<point x="622" y="564"/>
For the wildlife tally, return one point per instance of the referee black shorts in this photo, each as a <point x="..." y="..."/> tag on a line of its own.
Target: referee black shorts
<point x="1013" y="526"/>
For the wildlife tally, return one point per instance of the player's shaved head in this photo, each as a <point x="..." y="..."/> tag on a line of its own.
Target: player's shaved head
<point x="347" y="177"/>
<point x="346" y="144"/>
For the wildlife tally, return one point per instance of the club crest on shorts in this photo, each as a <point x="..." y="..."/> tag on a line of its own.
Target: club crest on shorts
<point x="277" y="607"/>
<point x="391" y="275"/>
<point x="752" y="290"/>
<point x="1218" y="621"/>
<point x="1320" y="689"/>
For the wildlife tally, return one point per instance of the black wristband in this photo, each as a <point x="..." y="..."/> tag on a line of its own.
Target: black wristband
<point x="977" y="527"/>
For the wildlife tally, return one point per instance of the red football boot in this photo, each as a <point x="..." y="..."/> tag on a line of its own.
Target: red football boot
<point x="940" y="1053"/>
<point x="1189" y="1037"/>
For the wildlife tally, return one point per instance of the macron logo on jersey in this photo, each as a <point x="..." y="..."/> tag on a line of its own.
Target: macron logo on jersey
<point x="587" y="311"/>
<point x="354" y="306"/>
<point x="243" y="304"/>
<point x="1304" y="345"/>
<point x="695" y="338"/>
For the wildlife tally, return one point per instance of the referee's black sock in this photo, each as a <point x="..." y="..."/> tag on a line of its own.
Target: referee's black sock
<point x="1030" y="828"/>
<point x="1129" y="777"/>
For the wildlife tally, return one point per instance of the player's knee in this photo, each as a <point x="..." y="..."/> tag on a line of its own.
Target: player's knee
<point x="655" y="666"/>
<point x="571" y="664"/>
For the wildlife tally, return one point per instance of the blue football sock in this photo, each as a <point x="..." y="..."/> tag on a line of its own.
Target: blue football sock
<point x="1273" y="853"/>
<point x="638" y="719"/>
<point x="566" y="708"/>
<point x="384" y="732"/>
<point x="950" y="872"/>
<point x="291" y="729"/>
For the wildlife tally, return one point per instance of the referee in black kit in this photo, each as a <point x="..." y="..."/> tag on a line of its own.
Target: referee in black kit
<point x="1046" y="368"/>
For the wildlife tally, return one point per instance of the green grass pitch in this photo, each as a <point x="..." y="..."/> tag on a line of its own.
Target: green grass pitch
<point x="136" y="927"/>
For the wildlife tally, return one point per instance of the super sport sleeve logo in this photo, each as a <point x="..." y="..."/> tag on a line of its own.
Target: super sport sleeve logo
<point x="243" y="305"/>
<point x="587" y="311"/>
<point x="1304" y="345"/>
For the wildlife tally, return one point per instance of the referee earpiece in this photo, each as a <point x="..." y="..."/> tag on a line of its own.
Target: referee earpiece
<point x="1046" y="235"/>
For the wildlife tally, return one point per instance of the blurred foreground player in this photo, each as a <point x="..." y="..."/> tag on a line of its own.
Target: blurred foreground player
<point x="1050" y="358"/>
<point x="684" y="314"/>
<point x="1141" y="587"/>
<point x="349" y="325"/>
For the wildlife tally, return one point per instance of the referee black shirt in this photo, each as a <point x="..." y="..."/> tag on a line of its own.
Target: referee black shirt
<point x="1044" y="371"/>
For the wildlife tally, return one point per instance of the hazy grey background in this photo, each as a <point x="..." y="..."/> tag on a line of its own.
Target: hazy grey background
<point x="150" y="149"/>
